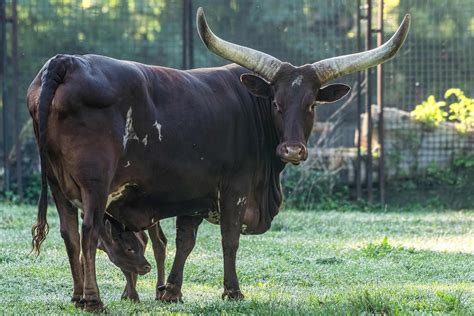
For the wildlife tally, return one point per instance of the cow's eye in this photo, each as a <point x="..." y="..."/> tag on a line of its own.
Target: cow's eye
<point x="131" y="250"/>
<point x="276" y="106"/>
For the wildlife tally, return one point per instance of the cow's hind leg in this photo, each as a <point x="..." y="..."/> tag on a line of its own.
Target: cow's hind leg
<point x="186" y="232"/>
<point x="70" y="233"/>
<point x="159" y="242"/>
<point x="94" y="197"/>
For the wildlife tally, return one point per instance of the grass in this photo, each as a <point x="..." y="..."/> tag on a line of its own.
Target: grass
<point x="331" y="262"/>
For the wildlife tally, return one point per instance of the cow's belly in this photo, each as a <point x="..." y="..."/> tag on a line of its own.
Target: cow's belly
<point x="139" y="209"/>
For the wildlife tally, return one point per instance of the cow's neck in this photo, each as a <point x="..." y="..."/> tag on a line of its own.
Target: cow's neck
<point x="266" y="128"/>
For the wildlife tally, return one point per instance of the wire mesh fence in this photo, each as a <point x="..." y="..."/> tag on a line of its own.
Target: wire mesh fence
<point x="436" y="56"/>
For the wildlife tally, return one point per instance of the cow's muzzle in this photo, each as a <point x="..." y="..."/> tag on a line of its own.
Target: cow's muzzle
<point x="292" y="152"/>
<point x="144" y="269"/>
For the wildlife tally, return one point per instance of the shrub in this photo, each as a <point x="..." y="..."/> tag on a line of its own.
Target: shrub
<point x="462" y="111"/>
<point x="432" y="112"/>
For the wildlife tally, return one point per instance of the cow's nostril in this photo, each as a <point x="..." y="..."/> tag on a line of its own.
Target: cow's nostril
<point x="147" y="268"/>
<point x="294" y="151"/>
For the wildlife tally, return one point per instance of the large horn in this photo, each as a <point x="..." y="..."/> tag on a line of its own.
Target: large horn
<point x="332" y="68"/>
<point x="265" y="65"/>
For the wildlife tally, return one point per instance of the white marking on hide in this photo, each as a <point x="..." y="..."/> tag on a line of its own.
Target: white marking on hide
<point x="297" y="81"/>
<point x="145" y="140"/>
<point x="241" y="201"/>
<point x="129" y="131"/>
<point x="158" y="128"/>
<point x="117" y="194"/>
<point x="128" y="164"/>
<point x="77" y="203"/>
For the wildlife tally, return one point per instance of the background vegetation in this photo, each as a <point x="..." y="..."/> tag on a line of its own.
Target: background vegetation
<point x="435" y="57"/>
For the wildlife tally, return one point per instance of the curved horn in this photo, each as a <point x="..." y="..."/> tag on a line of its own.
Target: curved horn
<point x="265" y="65"/>
<point x="332" y="68"/>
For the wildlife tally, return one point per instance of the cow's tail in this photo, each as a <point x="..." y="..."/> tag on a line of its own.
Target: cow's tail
<point x="52" y="76"/>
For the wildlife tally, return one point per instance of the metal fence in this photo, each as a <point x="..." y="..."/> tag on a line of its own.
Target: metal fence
<point x="436" y="56"/>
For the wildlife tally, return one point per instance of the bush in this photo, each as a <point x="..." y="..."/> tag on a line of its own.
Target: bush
<point x="31" y="190"/>
<point x="462" y="111"/>
<point x="432" y="112"/>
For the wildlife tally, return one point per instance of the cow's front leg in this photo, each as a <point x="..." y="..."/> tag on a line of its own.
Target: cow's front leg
<point x="186" y="232"/>
<point x="159" y="241"/>
<point x="232" y="207"/>
<point x="130" y="291"/>
<point x="68" y="223"/>
<point x="94" y="201"/>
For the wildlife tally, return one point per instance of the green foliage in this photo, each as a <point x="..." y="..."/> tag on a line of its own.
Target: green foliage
<point x="377" y="250"/>
<point x="459" y="175"/>
<point x="462" y="111"/>
<point x="32" y="188"/>
<point x="382" y="249"/>
<point x="370" y="304"/>
<point x="306" y="188"/>
<point x="448" y="186"/>
<point x="31" y="191"/>
<point x="451" y="302"/>
<point x="430" y="112"/>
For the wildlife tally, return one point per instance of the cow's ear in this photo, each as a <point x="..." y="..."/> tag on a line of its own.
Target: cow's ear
<point x="109" y="230"/>
<point x="332" y="93"/>
<point x="258" y="86"/>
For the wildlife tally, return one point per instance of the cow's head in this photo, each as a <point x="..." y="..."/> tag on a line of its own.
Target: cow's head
<point x="124" y="248"/>
<point x="294" y="91"/>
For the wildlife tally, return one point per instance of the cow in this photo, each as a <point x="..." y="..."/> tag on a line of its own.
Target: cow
<point x="143" y="143"/>
<point x="126" y="250"/>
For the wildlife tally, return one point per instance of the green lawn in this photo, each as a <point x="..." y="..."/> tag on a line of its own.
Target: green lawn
<point x="331" y="262"/>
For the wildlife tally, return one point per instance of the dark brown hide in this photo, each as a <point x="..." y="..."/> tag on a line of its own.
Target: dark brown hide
<point x="151" y="142"/>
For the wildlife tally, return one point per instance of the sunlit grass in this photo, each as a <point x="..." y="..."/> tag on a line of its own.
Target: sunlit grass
<point x="335" y="262"/>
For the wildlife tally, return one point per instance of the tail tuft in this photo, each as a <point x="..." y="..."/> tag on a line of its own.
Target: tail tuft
<point x="39" y="232"/>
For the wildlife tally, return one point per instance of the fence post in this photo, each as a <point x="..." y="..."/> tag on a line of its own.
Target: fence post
<point x="368" y="105"/>
<point x="16" y="112"/>
<point x="187" y="27"/>
<point x="3" y="64"/>
<point x="359" y="111"/>
<point x="381" y="108"/>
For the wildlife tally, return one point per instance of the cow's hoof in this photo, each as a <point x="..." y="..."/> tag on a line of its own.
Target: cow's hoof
<point x="76" y="298"/>
<point x="94" y="306"/>
<point x="160" y="291"/>
<point x="172" y="294"/>
<point x="233" y="295"/>
<point x="132" y="297"/>
<point x="78" y="301"/>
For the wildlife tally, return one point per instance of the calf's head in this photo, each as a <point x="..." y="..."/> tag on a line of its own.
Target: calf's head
<point x="295" y="90"/>
<point x="124" y="248"/>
